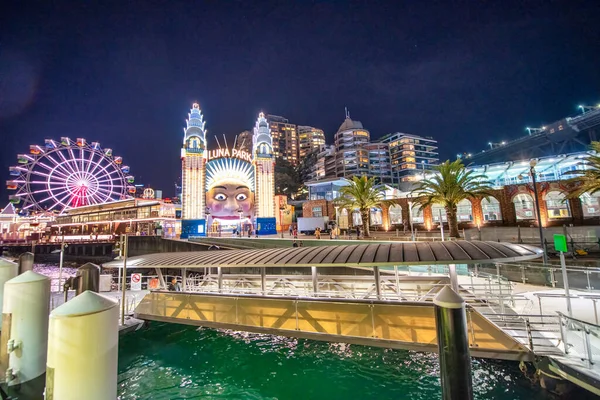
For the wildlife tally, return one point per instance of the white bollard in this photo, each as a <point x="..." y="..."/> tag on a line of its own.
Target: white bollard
<point x="25" y="306"/>
<point x="83" y="349"/>
<point x="8" y="270"/>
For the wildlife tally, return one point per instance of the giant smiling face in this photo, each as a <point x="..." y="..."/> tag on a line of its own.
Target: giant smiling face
<point x="227" y="196"/>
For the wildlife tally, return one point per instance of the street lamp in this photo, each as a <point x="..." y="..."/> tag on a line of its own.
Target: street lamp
<point x="532" y="172"/>
<point x="240" y="212"/>
<point x="63" y="245"/>
<point x="491" y="145"/>
<point x="281" y="209"/>
<point x="208" y="226"/>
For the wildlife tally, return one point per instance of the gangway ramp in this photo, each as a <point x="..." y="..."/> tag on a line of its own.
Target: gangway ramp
<point x="390" y="324"/>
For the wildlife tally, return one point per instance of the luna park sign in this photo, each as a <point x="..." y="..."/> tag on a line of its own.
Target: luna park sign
<point x="227" y="153"/>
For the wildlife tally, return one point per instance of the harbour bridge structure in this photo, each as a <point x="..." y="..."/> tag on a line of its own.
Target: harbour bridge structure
<point x="568" y="135"/>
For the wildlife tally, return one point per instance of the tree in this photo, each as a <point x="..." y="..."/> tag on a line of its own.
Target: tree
<point x="588" y="179"/>
<point x="286" y="178"/>
<point x="362" y="194"/>
<point x="451" y="184"/>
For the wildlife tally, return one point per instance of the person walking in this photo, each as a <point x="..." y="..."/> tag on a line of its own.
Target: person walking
<point x="318" y="233"/>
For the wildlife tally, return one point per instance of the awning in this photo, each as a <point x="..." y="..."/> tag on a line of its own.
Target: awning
<point x="367" y="255"/>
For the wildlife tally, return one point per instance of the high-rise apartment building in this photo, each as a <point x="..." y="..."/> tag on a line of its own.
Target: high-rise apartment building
<point x="244" y="141"/>
<point x="352" y="157"/>
<point x="309" y="139"/>
<point x="410" y="155"/>
<point x="285" y="138"/>
<point x="379" y="162"/>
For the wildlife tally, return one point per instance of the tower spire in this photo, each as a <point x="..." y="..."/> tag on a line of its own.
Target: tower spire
<point x="347" y="112"/>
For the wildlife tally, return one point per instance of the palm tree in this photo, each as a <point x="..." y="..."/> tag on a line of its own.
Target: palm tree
<point x="588" y="179"/>
<point x="362" y="194"/>
<point x="451" y="184"/>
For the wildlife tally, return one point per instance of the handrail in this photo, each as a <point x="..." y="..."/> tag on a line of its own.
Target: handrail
<point x="580" y="321"/>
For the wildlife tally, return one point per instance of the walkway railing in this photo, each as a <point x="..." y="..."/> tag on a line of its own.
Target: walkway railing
<point x="580" y="338"/>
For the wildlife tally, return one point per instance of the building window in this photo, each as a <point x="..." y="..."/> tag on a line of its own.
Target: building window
<point x="317" y="211"/>
<point x="590" y="204"/>
<point x="557" y="206"/>
<point x="395" y="214"/>
<point x="524" y="206"/>
<point x="464" y="211"/>
<point x="376" y="217"/>
<point x="491" y="209"/>
<point x="416" y="215"/>
<point x="435" y="212"/>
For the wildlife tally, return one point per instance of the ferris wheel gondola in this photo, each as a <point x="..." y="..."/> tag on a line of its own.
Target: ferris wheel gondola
<point x="68" y="174"/>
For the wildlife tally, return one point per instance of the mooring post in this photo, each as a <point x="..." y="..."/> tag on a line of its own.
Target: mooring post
<point x="315" y="280"/>
<point x="26" y="262"/>
<point x="453" y="345"/>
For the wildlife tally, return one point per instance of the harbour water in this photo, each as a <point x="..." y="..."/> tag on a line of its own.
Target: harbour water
<point x="167" y="361"/>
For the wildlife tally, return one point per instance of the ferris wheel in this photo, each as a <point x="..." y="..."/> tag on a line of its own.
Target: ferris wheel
<point x="68" y="174"/>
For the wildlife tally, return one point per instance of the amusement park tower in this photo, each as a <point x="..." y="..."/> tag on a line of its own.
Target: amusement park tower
<point x="192" y="160"/>
<point x="262" y="150"/>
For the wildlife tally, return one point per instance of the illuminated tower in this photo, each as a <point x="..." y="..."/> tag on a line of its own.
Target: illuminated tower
<point x="192" y="175"/>
<point x="264" y="165"/>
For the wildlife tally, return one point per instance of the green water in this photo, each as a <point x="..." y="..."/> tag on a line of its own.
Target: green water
<point x="168" y="361"/>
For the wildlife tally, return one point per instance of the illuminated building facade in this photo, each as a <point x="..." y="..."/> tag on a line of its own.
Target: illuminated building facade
<point x="410" y="156"/>
<point x="310" y="139"/>
<point x="285" y="138"/>
<point x="192" y="168"/>
<point x="352" y="157"/>
<point x="227" y="190"/>
<point x="262" y="150"/>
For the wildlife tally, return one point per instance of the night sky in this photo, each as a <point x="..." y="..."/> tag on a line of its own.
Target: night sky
<point x="125" y="73"/>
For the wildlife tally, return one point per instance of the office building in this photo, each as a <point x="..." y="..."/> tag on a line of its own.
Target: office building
<point x="410" y="155"/>
<point x="285" y="138"/>
<point x="310" y="139"/>
<point x="352" y="157"/>
<point x="379" y="162"/>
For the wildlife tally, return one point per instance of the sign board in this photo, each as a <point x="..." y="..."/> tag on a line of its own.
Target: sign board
<point x="560" y="243"/>
<point x="136" y="281"/>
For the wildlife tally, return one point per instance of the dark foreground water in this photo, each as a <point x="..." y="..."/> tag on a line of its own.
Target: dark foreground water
<point x="170" y="361"/>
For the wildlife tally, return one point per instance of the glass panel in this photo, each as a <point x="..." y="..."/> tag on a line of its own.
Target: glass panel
<point x="417" y="215"/>
<point x="395" y="214"/>
<point x="591" y="205"/>
<point x="524" y="206"/>
<point x="491" y="209"/>
<point x="557" y="206"/>
<point x="435" y="211"/>
<point x="464" y="211"/>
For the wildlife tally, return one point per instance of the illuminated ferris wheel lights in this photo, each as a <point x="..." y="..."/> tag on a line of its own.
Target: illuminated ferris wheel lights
<point x="66" y="174"/>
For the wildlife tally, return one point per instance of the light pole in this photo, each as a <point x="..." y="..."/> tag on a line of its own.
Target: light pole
<point x="63" y="245"/>
<point x="281" y="209"/>
<point x="240" y="212"/>
<point x="532" y="165"/>
<point x="124" y="278"/>
<point x="208" y="226"/>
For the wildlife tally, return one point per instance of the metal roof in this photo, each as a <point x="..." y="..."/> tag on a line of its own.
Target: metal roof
<point x="367" y="255"/>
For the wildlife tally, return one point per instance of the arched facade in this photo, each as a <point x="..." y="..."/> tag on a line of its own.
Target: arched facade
<point x="491" y="209"/>
<point x="524" y="206"/>
<point x="556" y="205"/>
<point x="395" y="214"/>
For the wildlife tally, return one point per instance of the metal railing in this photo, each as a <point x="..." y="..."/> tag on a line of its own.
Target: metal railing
<point x="580" y="338"/>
